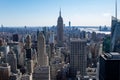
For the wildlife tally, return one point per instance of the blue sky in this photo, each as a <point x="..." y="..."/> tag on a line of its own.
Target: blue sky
<point x="46" y="12"/>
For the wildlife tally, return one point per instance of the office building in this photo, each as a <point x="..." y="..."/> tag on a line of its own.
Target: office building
<point x="69" y="24"/>
<point x="42" y="71"/>
<point x="28" y="48"/>
<point x="12" y="61"/>
<point x="115" y="31"/>
<point x="115" y="37"/>
<point x="28" y="42"/>
<point x="4" y="51"/>
<point x="16" y="48"/>
<point x="4" y="71"/>
<point x="109" y="66"/>
<point x="78" y="56"/>
<point x="51" y="39"/>
<point x="41" y="48"/>
<point x="52" y="44"/>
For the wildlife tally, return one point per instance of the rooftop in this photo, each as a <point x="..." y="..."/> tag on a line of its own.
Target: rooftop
<point x="77" y="40"/>
<point x="111" y="56"/>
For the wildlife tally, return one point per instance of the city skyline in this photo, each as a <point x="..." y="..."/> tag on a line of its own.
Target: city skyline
<point x="46" y="12"/>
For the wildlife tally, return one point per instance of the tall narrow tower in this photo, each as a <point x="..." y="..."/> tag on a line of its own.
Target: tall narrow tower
<point x="41" y="47"/>
<point x="116" y="9"/>
<point x="60" y="30"/>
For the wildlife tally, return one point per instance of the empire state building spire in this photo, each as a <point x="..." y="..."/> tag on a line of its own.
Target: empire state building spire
<point x="60" y="30"/>
<point x="60" y="12"/>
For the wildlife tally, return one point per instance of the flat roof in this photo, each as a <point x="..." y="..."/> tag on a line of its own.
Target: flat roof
<point x="77" y="40"/>
<point x="111" y="56"/>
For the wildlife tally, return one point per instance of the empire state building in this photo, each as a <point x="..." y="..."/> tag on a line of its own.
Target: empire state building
<point x="60" y="30"/>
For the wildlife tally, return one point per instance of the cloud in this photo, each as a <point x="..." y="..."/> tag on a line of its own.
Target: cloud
<point x="106" y="14"/>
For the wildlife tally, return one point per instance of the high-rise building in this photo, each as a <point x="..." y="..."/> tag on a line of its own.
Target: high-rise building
<point x="78" y="56"/>
<point x="109" y="66"/>
<point x="28" y="54"/>
<point x="29" y="66"/>
<point x="41" y="48"/>
<point x="51" y="42"/>
<point x="115" y="37"/>
<point x="28" y="47"/>
<point x="12" y="61"/>
<point x="106" y="44"/>
<point x="42" y="71"/>
<point x="4" y="71"/>
<point x="93" y="37"/>
<point x="4" y="50"/>
<point x="28" y="42"/>
<point x="69" y="24"/>
<point x="16" y="48"/>
<point x="15" y="37"/>
<point x="114" y="20"/>
<point x="60" y="30"/>
<point x="115" y="31"/>
<point x="51" y="38"/>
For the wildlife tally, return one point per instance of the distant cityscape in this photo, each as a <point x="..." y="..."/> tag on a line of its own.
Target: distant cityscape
<point x="15" y="28"/>
<point x="60" y="52"/>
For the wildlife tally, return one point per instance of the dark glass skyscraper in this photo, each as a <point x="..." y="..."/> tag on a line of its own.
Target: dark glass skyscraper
<point x="115" y="37"/>
<point x="115" y="31"/>
<point x="78" y="56"/>
<point x="109" y="68"/>
<point x="60" y="30"/>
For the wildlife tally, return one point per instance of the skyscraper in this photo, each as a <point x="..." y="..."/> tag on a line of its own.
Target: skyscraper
<point x="115" y="37"/>
<point x="42" y="71"/>
<point x="109" y="68"/>
<point x="16" y="48"/>
<point x="28" y="47"/>
<point x="41" y="48"/>
<point x="115" y="31"/>
<point x="4" y="71"/>
<point x="78" y="56"/>
<point x="51" y="42"/>
<point x="60" y="30"/>
<point x="12" y="61"/>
